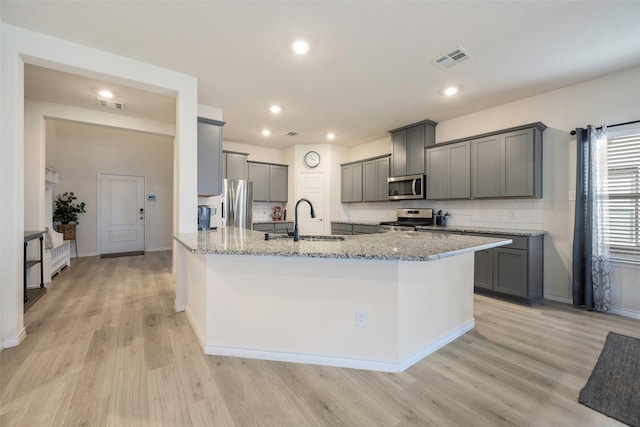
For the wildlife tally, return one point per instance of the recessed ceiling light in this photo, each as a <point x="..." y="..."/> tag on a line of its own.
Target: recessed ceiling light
<point x="106" y="94"/>
<point x="275" y="109"/>
<point x="266" y="132"/>
<point x="331" y="135"/>
<point x="300" y="47"/>
<point x="450" y="91"/>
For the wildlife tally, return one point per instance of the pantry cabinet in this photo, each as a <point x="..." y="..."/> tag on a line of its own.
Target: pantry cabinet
<point x="209" y="157"/>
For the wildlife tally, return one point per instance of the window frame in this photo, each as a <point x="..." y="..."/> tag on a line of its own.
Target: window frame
<point x="621" y="252"/>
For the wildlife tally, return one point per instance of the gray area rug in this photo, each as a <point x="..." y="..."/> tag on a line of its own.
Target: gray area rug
<point x="614" y="385"/>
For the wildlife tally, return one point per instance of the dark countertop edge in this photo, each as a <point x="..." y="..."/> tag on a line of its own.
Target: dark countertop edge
<point x="272" y="222"/>
<point x="376" y="223"/>
<point x="483" y="230"/>
<point x="32" y="234"/>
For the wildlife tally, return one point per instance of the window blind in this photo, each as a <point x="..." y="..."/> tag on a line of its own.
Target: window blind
<point x="624" y="194"/>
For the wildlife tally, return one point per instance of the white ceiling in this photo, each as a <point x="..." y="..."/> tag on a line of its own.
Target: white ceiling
<point x="369" y="69"/>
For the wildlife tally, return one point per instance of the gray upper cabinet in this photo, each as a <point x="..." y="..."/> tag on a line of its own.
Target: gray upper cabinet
<point x="407" y="147"/>
<point x="508" y="164"/>
<point x="235" y="165"/>
<point x="448" y="169"/>
<point x="518" y="163"/>
<point x="259" y="175"/>
<point x="416" y="143"/>
<point x="209" y="157"/>
<point x="374" y="180"/>
<point x="270" y="182"/>
<point x="399" y="153"/>
<point x="351" y="185"/>
<point x="485" y="166"/>
<point x="278" y="183"/>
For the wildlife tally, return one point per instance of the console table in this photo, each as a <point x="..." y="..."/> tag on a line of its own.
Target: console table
<point x="28" y="236"/>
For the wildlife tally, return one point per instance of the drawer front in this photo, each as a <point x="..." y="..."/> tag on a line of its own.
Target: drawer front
<point x="283" y="227"/>
<point x="365" y="229"/>
<point x="268" y="228"/>
<point x="519" y="242"/>
<point x="340" y="227"/>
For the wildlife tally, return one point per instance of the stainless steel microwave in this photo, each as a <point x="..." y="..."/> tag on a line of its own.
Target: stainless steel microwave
<point x="407" y="187"/>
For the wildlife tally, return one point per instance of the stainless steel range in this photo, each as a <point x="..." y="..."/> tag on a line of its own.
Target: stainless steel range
<point x="408" y="219"/>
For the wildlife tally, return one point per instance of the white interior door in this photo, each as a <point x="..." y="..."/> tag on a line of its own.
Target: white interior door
<point x="121" y="213"/>
<point x="311" y="186"/>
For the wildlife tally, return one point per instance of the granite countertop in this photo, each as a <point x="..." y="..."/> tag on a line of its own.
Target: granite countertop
<point x="396" y="246"/>
<point x="272" y="222"/>
<point x="357" y="222"/>
<point x="484" y="230"/>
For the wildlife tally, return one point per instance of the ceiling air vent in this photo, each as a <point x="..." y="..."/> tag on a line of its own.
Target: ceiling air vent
<point x="450" y="59"/>
<point x="292" y="133"/>
<point x="110" y="104"/>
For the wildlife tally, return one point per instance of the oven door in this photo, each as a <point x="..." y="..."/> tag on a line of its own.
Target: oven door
<point x="406" y="187"/>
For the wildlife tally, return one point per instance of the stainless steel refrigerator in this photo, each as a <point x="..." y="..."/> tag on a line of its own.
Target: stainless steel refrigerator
<point x="237" y="203"/>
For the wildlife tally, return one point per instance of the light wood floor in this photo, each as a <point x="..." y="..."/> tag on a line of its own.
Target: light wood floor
<point x="105" y="347"/>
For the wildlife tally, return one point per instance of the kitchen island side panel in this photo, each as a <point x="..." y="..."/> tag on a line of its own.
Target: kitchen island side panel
<point x="303" y="305"/>
<point x="435" y="303"/>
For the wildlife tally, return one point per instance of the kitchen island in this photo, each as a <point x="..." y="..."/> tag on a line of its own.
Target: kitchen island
<point x="380" y="302"/>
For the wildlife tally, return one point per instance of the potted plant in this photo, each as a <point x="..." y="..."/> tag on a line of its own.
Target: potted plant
<point x="66" y="214"/>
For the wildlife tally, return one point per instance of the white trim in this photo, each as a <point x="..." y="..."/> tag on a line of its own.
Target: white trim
<point x="634" y="314"/>
<point x="14" y="341"/>
<point x="626" y="262"/>
<point x="558" y="299"/>
<point x="196" y="329"/>
<point x="179" y="308"/>
<point x="342" y="362"/>
<point x="159" y="248"/>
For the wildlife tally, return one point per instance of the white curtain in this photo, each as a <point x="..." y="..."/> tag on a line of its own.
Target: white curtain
<point x="600" y="266"/>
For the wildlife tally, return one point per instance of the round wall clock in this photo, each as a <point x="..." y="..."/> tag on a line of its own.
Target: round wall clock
<point x="312" y="159"/>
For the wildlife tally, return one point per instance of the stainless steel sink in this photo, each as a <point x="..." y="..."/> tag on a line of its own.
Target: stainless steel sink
<point x="322" y="238"/>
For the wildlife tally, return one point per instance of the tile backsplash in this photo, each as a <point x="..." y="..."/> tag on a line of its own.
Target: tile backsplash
<point x="511" y="213"/>
<point x="262" y="211"/>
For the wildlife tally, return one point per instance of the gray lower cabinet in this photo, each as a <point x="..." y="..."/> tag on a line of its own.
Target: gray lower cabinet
<point x="274" y="227"/>
<point x="448" y="170"/>
<point x="513" y="271"/>
<point x="235" y="165"/>
<point x="351" y="184"/>
<point x="209" y="157"/>
<point x="374" y="180"/>
<point x="347" y="229"/>
<point x="270" y="182"/>
<point x="407" y="147"/>
<point x="508" y="164"/>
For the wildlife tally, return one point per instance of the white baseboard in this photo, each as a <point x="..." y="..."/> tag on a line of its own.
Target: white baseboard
<point x="159" y="248"/>
<point x="620" y="311"/>
<point x="342" y="362"/>
<point x="14" y="341"/>
<point x="179" y="308"/>
<point x="558" y="299"/>
<point x="625" y="312"/>
<point x="196" y="329"/>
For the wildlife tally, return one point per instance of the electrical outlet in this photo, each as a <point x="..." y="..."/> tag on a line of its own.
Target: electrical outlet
<point x="361" y="318"/>
<point x="512" y="214"/>
<point x="572" y="194"/>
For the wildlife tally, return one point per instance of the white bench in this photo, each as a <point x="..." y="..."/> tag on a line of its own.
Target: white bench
<point x="58" y="257"/>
